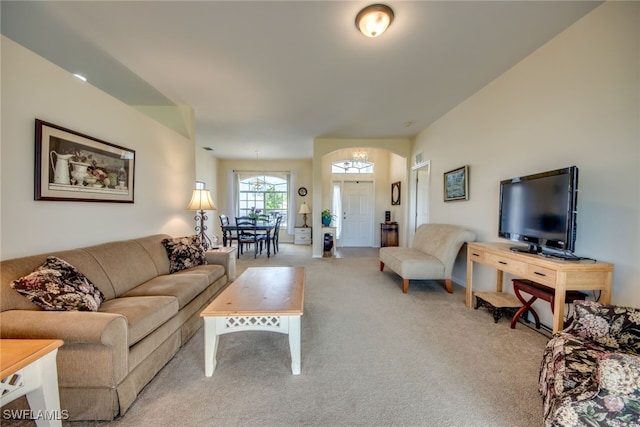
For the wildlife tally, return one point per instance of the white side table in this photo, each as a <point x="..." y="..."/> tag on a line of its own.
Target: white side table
<point x="224" y="255"/>
<point x="302" y="236"/>
<point x="28" y="367"/>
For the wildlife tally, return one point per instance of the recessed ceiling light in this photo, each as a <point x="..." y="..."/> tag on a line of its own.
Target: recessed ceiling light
<point x="81" y="77"/>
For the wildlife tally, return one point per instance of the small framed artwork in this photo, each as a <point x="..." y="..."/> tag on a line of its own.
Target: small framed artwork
<point x="70" y="166"/>
<point x="395" y="193"/>
<point x="456" y="184"/>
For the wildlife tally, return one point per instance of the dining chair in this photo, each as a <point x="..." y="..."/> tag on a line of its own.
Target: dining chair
<point x="266" y="219"/>
<point x="248" y="234"/>
<point x="228" y="235"/>
<point x="276" y="234"/>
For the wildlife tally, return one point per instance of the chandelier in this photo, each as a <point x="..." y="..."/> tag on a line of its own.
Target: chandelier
<point x="257" y="185"/>
<point x="359" y="159"/>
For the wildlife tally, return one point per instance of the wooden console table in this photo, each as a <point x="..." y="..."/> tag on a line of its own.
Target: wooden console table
<point x="558" y="274"/>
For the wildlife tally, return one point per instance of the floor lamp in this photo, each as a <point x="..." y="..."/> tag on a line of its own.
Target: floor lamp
<point x="304" y="210"/>
<point x="201" y="202"/>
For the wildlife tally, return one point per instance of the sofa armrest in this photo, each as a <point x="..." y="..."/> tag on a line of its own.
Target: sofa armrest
<point x="73" y="327"/>
<point x="91" y="339"/>
<point x="225" y="258"/>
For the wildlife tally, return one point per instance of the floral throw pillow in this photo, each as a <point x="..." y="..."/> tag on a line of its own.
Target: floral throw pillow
<point x="184" y="252"/>
<point x="59" y="286"/>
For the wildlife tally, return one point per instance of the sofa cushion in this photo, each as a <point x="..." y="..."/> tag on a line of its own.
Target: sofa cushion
<point x="212" y="271"/>
<point x="184" y="287"/>
<point x="184" y="252"/>
<point x="144" y="314"/>
<point x="59" y="286"/>
<point x="412" y="263"/>
<point x="126" y="263"/>
<point x="156" y="250"/>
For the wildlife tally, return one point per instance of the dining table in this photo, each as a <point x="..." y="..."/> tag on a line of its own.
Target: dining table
<point x="267" y="226"/>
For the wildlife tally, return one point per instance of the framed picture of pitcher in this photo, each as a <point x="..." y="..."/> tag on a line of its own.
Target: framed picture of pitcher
<point x="71" y="166"/>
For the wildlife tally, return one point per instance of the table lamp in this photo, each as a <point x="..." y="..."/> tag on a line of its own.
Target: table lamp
<point x="304" y="210"/>
<point x="200" y="202"/>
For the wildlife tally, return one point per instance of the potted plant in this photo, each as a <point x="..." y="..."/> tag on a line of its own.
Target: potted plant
<point x="254" y="213"/>
<point x="327" y="217"/>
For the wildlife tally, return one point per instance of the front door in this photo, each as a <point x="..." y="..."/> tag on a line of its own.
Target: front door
<point x="357" y="215"/>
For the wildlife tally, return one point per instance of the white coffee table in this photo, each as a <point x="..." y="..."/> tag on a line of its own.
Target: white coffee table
<point x="261" y="299"/>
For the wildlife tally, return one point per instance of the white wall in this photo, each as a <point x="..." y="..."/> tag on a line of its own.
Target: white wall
<point x="165" y="163"/>
<point x="575" y="101"/>
<point x="207" y="172"/>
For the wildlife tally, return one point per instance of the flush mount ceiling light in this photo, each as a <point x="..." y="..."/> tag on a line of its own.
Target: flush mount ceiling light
<point x="373" y="20"/>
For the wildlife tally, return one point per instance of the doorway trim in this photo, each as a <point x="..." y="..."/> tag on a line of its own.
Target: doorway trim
<point x="414" y="188"/>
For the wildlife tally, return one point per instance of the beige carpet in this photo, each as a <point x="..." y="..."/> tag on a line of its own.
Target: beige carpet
<point x="371" y="356"/>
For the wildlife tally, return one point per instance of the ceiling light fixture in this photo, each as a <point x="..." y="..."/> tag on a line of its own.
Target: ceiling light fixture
<point x="359" y="159"/>
<point x="81" y="77"/>
<point x="373" y="20"/>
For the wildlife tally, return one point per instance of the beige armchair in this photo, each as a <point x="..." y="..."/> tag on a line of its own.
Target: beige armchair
<point x="431" y="255"/>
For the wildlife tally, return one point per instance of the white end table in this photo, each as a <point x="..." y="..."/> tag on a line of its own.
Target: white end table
<point x="28" y="367"/>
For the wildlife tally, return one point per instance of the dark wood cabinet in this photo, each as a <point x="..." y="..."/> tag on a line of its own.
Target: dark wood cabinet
<point x="388" y="234"/>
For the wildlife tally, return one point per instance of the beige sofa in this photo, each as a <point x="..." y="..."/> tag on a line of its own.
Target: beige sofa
<point x="108" y="356"/>
<point x="431" y="255"/>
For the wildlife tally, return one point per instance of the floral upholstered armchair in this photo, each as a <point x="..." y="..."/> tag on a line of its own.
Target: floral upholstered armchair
<point x="590" y="372"/>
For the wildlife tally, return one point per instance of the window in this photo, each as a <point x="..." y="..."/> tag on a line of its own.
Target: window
<point x="349" y="166"/>
<point x="263" y="194"/>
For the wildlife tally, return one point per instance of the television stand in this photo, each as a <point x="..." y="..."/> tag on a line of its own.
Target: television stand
<point x="532" y="249"/>
<point x="561" y="256"/>
<point x="560" y="275"/>
<point x="537" y="250"/>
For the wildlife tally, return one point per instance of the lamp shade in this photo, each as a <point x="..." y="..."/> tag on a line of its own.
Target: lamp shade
<point x="373" y="20"/>
<point x="201" y="201"/>
<point x="304" y="209"/>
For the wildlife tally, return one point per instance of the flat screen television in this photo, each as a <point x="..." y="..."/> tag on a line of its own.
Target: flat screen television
<point x="540" y="210"/>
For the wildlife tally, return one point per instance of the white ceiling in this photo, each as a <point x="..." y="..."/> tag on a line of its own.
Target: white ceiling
<point x="270" y="76"/>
